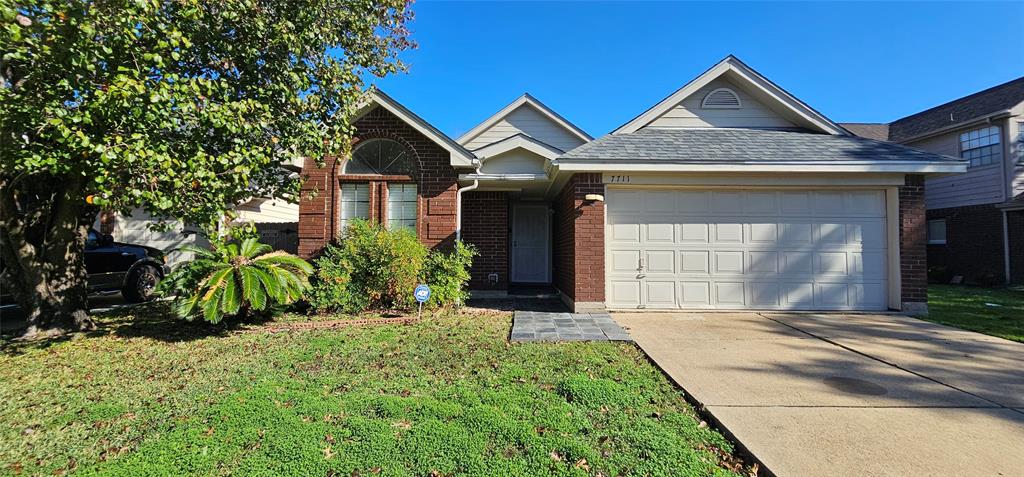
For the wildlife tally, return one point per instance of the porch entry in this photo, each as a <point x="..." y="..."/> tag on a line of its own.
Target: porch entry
<point x="531" y="243"/>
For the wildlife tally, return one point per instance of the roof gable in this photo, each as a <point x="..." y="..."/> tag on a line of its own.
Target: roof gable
<point x="757" y="87"/>
<point x="528" y="116"/>
<point x="460" y="156"/>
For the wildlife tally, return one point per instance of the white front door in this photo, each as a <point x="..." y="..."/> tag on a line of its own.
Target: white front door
<point x="747" y="249"/>
<point x="531" y="237"/>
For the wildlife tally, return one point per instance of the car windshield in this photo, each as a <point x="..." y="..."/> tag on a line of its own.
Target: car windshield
<point x="93" y="240"/>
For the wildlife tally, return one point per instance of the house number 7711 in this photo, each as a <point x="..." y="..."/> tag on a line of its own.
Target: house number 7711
<point x="619" y="179"/>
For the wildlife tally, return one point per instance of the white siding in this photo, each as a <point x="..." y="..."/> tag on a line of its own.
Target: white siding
<point x="516" y="161"/>
<point x="526" y="120"/>
<point x="137" y="229"/>
<point x="268" y="211"/>
<point x="979" y="185"/>
<point x="688" y="113"/>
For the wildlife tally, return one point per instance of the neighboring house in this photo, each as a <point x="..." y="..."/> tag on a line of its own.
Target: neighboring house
<point x="276" y="220"/>
<point x="976" y="219"/>
<point x="728" y="194"/>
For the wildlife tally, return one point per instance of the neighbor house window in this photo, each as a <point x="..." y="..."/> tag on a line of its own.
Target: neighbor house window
<point x="377" y="183"/>
<point x="937" y="232"/>
<point x="355" y="203"/>
<point x="981" y="146"/>
<point x="401" y="206"/>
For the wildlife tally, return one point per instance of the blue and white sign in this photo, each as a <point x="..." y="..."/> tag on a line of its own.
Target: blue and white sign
<point x="422" y="293"/>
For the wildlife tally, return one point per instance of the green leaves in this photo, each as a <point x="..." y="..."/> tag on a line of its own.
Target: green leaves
<point x="236" y="278"/>
<point x="186" y="108"/>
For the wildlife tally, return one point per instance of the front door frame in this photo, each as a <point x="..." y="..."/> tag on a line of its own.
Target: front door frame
<point x="545" y="210"/>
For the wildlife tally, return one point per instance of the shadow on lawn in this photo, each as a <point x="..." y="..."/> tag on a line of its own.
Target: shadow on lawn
<point x="151" y="320"/>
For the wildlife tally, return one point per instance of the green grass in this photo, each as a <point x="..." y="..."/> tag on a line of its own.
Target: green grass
<point x="445" y="396"/>
<point x="971" y="308"/>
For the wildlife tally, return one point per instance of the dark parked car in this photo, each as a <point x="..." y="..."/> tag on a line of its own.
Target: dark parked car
<point x="133" y="269"/>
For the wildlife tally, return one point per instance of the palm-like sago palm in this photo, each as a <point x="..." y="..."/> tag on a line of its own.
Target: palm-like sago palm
<point x="236" y="279"/>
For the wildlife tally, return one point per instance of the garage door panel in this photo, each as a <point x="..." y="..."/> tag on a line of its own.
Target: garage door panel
<point x="730" y="294"/>
<point x="660" y="293"/>
<point x="626" y="233"/>
<point x="663" y="231"/>
<point x="760" y="249"/>
<point x="624" y="293"/>
<point x="694" y="233"/>
<point x="660" y="261"/>
<point x="730" y="262"/>
<point x="624" y="261"/>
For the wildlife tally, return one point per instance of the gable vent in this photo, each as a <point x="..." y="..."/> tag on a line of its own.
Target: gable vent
<point x="721" y="98"/>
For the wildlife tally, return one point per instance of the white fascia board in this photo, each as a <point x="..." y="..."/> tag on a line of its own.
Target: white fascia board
<point x="460" y="156"/>
<point x="906" y="167"/>
<point x="535" y="104"/>
<point x="751" y="78"/>
<point x="504" y="177"/>
<point x="518" y="141"/>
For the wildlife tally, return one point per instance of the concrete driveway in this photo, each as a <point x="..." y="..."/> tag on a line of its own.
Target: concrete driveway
<point x="854" y="394"/>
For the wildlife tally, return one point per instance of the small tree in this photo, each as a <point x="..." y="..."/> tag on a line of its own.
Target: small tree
<point x="183" y="108"/>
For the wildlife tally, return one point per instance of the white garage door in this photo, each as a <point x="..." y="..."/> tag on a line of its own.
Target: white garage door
<point x="756" y="249"/>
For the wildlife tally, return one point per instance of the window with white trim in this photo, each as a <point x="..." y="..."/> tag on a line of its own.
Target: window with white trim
<point x="937" y="232"/>
<point x="402" y="206"/>
<point x="981" y="146"/>
<point x="355" y="202"/>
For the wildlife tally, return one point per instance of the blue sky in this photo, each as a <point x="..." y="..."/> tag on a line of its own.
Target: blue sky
<point x="601" y="64"/>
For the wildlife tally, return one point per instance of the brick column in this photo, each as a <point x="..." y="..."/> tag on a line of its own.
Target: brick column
<point x="579" y="243"/>
<point x="913" y="251"/>
<point x="315" y="207"/>
<point x="485" y="225"/>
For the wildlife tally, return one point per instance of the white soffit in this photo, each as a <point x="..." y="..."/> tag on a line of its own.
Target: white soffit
<point x="460" y="156"/>
<point x="532" y="102"/>
<point x="746" y="77"/>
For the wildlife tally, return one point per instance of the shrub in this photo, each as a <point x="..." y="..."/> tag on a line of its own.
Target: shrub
<point x="448" y="273"/>
<point x="372" y="267"/>
<point x="235" y="279"/>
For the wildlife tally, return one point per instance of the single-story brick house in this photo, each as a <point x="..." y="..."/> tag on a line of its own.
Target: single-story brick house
<point x="729" y="194"/>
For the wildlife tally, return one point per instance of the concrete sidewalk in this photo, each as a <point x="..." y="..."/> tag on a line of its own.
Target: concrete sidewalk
<point x="859" y="395"/>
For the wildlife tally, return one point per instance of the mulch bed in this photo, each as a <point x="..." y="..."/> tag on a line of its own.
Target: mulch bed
<point x="332" y="324"/>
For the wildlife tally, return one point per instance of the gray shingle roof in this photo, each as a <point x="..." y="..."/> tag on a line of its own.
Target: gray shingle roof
<point x="879" y="131"/>
<point x="742" y="146"/>
<point x="982" y="103"/>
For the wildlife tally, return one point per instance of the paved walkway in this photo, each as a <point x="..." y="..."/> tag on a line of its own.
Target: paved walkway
<point x="862" y="395"/>
<point x="564" y="326"/>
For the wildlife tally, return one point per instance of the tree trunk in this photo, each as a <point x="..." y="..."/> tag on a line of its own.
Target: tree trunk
<point x="42" y="253"/>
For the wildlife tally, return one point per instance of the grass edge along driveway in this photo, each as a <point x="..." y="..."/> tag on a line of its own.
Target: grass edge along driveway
<point x="992" y="311"/>
<point x="147" y="395"/>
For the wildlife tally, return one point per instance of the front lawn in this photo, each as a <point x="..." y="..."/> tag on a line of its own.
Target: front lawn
<point x="996" y="312"/>
<point x="448" y="395"/>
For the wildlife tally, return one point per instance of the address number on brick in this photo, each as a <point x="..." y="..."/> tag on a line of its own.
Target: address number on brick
<point x="619" y="179"/>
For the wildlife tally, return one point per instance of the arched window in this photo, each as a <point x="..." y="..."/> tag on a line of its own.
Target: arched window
<point x="379" y="185"/>
<point x="381" y="156"/>
<point x="721" y="98"/>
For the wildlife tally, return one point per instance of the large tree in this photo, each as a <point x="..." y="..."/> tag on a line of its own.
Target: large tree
<point x="180" y="107"/>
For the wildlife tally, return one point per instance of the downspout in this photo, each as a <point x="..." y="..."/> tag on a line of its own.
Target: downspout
<point x="458" y="201"/>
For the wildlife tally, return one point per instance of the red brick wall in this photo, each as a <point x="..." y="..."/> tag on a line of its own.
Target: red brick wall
<point x="913" y="232"/>
<point x="436" y="180"/>
<point x="485" y="224"/>
<point x="973" y="248"/>
<point x="579" y="240"/>
<point x="1015" y="223"/>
